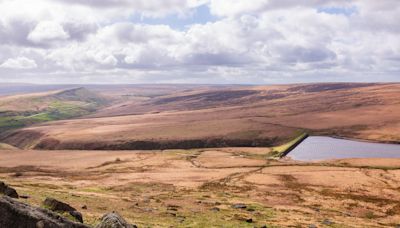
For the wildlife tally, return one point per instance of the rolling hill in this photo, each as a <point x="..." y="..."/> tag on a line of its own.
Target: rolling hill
<point x="27" y="109"/>
<point x="233" y="187"/>
<point x="229" y="116"/>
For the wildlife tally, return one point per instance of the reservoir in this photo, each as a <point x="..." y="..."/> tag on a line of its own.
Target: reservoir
<point x="323" y="148"/>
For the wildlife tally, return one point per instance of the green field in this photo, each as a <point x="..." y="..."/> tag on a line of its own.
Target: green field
<point x="56" y="111"/>
<point x="64" y="105"/>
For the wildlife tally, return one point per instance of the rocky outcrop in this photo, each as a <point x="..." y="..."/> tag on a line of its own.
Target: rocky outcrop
<point x="16" y="214"/>
<point x="8" y="191"/>
<point x="58" y="206"/>
<point x="55" y="205"/>
<point x="77" y="215"/>
<point x="114" y="220"/>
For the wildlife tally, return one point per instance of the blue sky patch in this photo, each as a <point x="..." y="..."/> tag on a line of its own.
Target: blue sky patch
<point x="347" y="11"/>
<point x="199" y="15"/>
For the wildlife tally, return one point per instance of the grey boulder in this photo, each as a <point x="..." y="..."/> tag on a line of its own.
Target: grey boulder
<point x="114" y="220"/>
<point x="16" y="214"/>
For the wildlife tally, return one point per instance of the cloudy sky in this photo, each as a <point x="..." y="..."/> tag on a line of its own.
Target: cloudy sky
<point x="199" y="41"/>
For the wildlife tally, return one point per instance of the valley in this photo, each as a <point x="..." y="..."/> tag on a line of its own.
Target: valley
<point x="27" y="109"/>
<point x="205" y="155"/>
<point x="199" y="114"/>
<point x="222" y="117"/>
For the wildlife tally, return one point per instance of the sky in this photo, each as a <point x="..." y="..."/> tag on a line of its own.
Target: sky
<point x="199" y="41"/>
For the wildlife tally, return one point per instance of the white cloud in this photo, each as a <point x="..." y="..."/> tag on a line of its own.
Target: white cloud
<point x="47" y="31"/>
<point x="105" y="58"/>
<point x="232" y="8"/>
<point x="19" y="63"/>
<point x="248" y="41"/>
<point x="150" y="8"/>
<point x="240" y="7"/>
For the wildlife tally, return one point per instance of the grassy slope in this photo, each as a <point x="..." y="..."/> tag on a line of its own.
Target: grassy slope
<point x="24" y="111"/>
<point x="272" y="114"/>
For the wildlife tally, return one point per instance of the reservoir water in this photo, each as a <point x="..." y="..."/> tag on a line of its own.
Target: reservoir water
<point x="322" y="148"/>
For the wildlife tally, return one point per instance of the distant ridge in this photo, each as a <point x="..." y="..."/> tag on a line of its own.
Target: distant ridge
<point x="79" y="94"/>
<point x="224" y="117"/>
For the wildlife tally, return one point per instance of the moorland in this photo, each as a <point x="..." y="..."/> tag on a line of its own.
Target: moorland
<point x="203" y="155"/>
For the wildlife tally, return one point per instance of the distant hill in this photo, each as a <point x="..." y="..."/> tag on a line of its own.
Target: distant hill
<point x="27" y="109"/>
<point x="223" y="117"/>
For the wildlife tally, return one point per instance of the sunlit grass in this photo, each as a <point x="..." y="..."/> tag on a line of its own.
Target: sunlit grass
<point x="56" y="111"/>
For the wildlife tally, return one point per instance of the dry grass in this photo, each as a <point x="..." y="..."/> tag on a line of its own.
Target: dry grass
<point x="183" y="188"/>
<point x="198" y="187"/>
<point x="272" y="115"/>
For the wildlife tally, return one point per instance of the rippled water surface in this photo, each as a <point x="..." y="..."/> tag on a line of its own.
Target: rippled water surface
<point x="321" y="148"/>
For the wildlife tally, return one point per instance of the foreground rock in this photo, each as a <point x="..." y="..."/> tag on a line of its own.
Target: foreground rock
<point x="114" y="220"/>
<point x="58" y="206"/>
<point x="8" y="191"/>
<point x="20" y="215"/>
